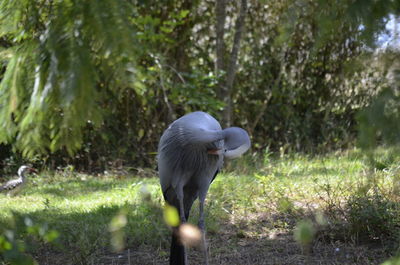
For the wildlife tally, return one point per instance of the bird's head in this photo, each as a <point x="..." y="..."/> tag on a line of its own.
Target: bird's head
<point x="236" y="142"/>
<point x="26" y="169"/>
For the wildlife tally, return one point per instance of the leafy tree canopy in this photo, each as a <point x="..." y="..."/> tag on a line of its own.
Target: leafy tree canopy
<point x="61" y="54"/>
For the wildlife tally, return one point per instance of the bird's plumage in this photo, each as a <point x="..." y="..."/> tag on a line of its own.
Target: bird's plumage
<point x="15" y="185"/>
<point x="12" y="184"/>
<point x="190" y="154"/>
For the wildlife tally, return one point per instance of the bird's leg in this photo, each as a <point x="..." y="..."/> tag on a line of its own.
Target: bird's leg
<point x="179" y="194"/>
<point x="182" y="216"/>
<point x="183" y="220"/>
<point x="182" y="212"/>
<point x="203" y="232"/>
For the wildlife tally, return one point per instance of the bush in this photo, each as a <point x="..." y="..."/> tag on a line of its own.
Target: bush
<point x="373" y="217"/>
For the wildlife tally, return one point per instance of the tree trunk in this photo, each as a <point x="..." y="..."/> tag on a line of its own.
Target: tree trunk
<point x="225" y="86"/>
<point x="220" y="12"/>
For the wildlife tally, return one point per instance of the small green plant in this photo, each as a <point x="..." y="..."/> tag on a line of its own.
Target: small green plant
<point x="304" y="232"/>
<point x="285" y="205"/>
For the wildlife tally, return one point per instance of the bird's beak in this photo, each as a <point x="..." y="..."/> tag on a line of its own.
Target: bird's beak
<point x="215" y="151"/>
<point x="33" y="170"/>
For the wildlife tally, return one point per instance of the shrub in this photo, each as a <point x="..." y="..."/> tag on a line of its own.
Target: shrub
<point x="373" y="217"/>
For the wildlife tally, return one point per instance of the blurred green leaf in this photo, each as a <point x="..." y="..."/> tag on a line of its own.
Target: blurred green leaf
<point x="116" y="226"/>
<point x="4" y="244"/>
<point x="304" y="232"/>
<point x="171" y="215"/>
<point x="118" y="222"/>
<point x="51" y="235"/>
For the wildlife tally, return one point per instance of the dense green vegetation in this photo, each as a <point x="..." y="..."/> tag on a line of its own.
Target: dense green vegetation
<point x="95" y="83"/>
<point x="348" y="206"/>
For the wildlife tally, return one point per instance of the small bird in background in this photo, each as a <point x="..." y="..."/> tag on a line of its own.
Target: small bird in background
<point x="13" y="186"/>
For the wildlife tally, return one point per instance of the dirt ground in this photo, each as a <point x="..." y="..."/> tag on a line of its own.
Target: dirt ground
<point x="279" y="250"/>
<point x="258" y="252"/>
<point x="248" y="243"/>
<point x="228" y="248"/>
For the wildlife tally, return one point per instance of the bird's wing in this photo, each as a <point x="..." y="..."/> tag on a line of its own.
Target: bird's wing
<point x="10" y="185"/>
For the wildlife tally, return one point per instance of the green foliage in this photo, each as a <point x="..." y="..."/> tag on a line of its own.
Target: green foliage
<point x="367" y="17"/>
<point x="13" y="249"/>
<point x="372" y="15"/>
<point x="285" y="205"/>
<point x="61" y="52"/>
<point x="300" y="92"/>
<point x="304" y="232"/>
<point x="381" y="119"/>
<point x="84" y="83"/>
<point x="373" y="217"/>
<point x="92" y="81"/>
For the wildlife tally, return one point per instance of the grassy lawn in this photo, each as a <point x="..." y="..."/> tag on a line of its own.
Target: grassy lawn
<point x="252" y="213"/>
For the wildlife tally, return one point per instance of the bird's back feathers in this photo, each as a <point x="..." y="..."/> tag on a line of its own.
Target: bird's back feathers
<point x="12" y="184"/>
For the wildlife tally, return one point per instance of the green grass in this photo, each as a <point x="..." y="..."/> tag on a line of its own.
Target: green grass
<point x="81" y="207"/>
<point x="268" y="198"/>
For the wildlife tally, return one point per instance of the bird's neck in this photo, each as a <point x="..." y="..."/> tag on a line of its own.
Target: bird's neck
<point x="22" y="176"/>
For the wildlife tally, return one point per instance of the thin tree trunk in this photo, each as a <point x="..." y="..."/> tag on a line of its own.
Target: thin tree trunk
<point x="226" y="85"/>
<point x="220" y="12"/>
<point x="232" y="67"/>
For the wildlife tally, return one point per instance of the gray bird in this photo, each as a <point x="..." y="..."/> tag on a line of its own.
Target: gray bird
<point x="15" y="185"/>
<point x="190" y="154"/>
